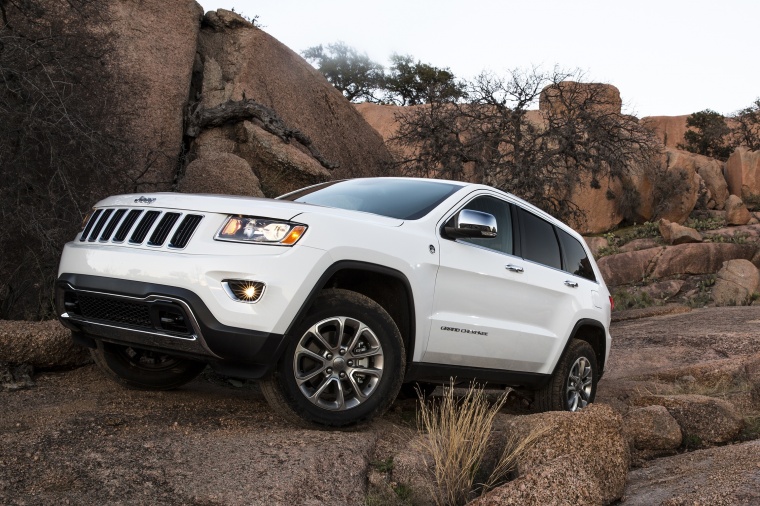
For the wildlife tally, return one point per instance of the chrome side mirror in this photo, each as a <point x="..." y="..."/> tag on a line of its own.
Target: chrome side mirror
<point x="469" y="223"/>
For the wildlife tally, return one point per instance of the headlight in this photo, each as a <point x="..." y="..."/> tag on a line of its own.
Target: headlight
<point x="260" y="230"/>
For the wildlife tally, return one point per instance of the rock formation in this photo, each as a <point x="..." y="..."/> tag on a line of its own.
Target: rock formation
<point x="557" y="469"/>
<point x="652" y="428"/>
<point x="220" y="173"/>
<point x="726" y="475"/>
<point x="708" y="419"/>
<point x="39" y="344"/>
<point x="662" y="262"/>
<point x="736" y="284"/>
<point x="153" y="66"/>
<point x="743" y="174"/>
<point x="669" y="129"/>
<point x="604" y="96"/>
<point x="736" y="211"/>
<point x="282" y="116"/>
<point x="673" y="233"/>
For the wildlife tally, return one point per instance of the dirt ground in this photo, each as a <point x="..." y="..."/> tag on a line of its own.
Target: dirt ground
<point x="78" y="438"/>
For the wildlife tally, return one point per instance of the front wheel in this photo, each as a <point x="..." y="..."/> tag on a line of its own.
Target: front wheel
<point x="144" y="369"/>
<point x="573" y="384"/>
<point x="344" y="363"/>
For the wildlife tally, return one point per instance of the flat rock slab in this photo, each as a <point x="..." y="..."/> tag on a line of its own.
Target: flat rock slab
<point x="79" y="438"/>
<point x="725" y="475"/>
<point x="648" y="345"/>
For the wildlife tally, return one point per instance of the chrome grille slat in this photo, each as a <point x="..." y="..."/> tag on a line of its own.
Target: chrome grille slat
<point x="161" y="227"/>
<point x="185" y="231"/>
<point x="142" y="229"/>
<point x="126" y="226"/>
<point x="99" y="225"/>
<point x="88" y="227"/>
<point x="115" y="219"/>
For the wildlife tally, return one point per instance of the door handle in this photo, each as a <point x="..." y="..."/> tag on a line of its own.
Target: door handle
<point x="514" y="268"/>
<point x="571" y="284"/>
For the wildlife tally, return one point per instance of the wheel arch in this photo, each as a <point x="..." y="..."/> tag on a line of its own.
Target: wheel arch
<point x="595" y="334"/>
<point x="388" y="287"/>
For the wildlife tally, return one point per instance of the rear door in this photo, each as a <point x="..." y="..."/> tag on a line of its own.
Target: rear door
<point x="502" y="303"/>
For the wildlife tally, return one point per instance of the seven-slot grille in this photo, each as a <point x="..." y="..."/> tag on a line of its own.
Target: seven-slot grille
<point x="134" y="226"/>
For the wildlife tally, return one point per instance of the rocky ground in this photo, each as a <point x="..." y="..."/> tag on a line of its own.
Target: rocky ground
<point x="77" y="438"/>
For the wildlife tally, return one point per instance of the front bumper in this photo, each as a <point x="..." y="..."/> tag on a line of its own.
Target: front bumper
<point x="162" y="318"/>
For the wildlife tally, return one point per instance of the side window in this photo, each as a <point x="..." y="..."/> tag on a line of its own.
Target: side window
<point x="500" y="210"/>
<point x="576" y="260"/>
<point x="539" y="244"/>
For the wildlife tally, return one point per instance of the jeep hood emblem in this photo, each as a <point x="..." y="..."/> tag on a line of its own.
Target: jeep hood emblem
<point x="144" y="200"/>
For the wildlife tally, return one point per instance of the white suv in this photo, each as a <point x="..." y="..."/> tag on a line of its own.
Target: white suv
<point x="336" y="295"/>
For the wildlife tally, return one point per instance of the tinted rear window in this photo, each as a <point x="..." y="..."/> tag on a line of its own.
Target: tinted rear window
<point x="396" y="198"/>
<point x="539" y="242"/>
<point x="576" y="260"/>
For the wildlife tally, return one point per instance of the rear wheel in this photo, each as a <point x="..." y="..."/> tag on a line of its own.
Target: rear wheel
<point x="144" y="369"/>
<point x="573" y="384"/>
<point x="343" y="365"/>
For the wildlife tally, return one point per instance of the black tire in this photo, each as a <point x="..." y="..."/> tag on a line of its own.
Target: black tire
<point x="352" y="375"/>
<point x="143" y="369"/>
<point x="565" y="392"/>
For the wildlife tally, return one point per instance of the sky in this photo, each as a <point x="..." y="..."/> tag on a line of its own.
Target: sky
<point x="667" y="57"/>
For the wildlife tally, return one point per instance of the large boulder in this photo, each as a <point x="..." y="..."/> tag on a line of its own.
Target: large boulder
<point x="736" y="283"/>
<point x="743" y="174"/>
<point x="749" y="232"/>
<point x="153" y="67"/>
<point x="383" y="118"/>
<point x="604" y="97"/>
<point x="669" y="192"/>
<point x="652" y="428"/>
<point x="600" y="214"/>
<point x="673" y="233"/>
<point x="639" y="244"/>
<point x="625" y="268"/>
<point x="657" y="263"/>
<point x="596" y="244"/>
<point x="581" y="458"/>
<point x="237" y="61"/>
<point x="702" y="258"/>
<point x="736" y="211"/>
<point x="40" y="344"/>
<point x="704" y="420"/>
<point x="220" y="173"/>
<point x="669" y="129"/>
<point x="282" y="167"/>
<point x="711" y="172"/>
<point x="664" y="290"/>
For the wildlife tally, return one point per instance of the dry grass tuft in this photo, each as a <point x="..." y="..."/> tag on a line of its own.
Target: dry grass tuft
<point x="459" y="433"/>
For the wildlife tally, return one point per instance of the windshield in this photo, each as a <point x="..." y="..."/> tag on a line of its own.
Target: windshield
<point x="405" y="199"/>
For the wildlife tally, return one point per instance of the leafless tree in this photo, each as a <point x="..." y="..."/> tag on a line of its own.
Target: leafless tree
<point x="578" y="137"/>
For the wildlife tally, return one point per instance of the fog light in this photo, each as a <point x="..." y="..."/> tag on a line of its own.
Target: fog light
<point x="243" y="290"/>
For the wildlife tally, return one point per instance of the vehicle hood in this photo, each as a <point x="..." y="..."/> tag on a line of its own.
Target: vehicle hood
<point x="232" y="204"/>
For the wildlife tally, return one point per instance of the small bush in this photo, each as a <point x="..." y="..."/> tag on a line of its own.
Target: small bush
<point x="459" y="433"/>
<point x="384" y="466"/>
<point x="692" y="442"/>
<point x="626" y="300"/>
<point x="708" y="223"/>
